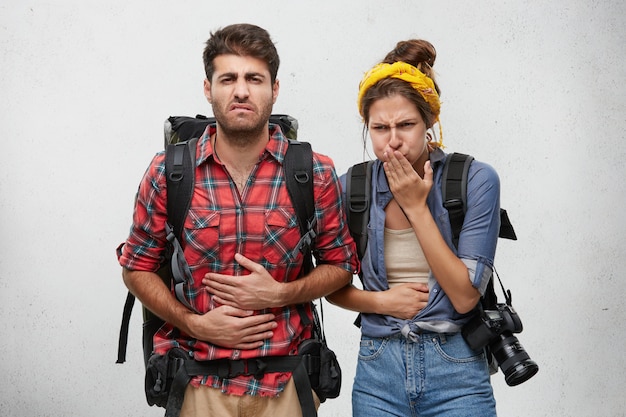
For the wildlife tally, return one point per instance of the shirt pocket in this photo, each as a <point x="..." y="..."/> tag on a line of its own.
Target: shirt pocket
<point x="202" y="236"/>
<point x="281" y="236"/>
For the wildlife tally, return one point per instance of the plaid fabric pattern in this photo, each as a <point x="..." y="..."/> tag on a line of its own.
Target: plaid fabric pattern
<point x="260" y="223"/>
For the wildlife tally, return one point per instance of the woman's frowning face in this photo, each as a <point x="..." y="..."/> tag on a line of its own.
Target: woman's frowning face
<point x="395" y="124"/>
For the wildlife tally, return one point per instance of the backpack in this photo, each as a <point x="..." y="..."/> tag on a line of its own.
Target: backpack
<point x="181" y="135"/>
<point x="454" y="192"/>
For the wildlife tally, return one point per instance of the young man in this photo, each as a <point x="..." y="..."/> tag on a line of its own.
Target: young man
<point x="239" y="238"/>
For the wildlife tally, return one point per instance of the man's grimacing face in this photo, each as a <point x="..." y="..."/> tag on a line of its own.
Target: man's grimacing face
<point x="241" y="93"/>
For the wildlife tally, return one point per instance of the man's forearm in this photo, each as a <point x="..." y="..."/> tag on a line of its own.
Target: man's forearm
<point x="321" y="281"/>
<point x="150" y="289"/>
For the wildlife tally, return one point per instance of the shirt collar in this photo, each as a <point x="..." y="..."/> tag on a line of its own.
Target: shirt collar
<point x="277" y="145"/>
<point x="437" y="156"/>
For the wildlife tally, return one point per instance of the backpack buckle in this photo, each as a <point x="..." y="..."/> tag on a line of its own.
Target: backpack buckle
<point x="358" y="204"/>
<point x="453" y="204"/>
<point x="261" y="367"/>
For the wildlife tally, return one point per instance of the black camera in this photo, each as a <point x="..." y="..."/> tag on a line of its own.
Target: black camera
<point x="494" y="329"/>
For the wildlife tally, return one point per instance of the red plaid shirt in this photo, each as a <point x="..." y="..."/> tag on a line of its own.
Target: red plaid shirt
<point x="259" y="223"/>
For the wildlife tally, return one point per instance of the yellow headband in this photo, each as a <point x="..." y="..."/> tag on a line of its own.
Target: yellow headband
<point x="406" y="72"/>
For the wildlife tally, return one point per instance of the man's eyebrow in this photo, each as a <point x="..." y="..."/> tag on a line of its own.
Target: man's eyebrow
<point x="254" y="74"/>
<point x="227" y="75"/>
<point x="233" y="74"/>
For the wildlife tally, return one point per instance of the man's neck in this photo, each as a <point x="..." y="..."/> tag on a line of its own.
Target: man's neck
<point x="239" y="152"/>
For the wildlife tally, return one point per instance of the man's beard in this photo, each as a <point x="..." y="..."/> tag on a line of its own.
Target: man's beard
<point x="243" y="130"/>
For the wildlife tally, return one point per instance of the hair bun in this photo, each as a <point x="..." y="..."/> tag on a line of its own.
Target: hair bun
<point x="413" y="51"/>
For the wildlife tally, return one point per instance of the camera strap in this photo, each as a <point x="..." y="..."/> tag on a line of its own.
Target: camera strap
<point x="507" y="293"/>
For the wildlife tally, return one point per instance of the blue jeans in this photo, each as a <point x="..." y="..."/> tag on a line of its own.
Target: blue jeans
<point x="432" y="375"/>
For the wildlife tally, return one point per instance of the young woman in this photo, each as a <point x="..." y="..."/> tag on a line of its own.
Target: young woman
<point x="418" y="289"/>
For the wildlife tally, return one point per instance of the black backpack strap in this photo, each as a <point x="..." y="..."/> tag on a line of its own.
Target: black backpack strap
<point x="454" y="190"/>
<point x="180" y="163"/>
<point x="298" y="165"/>
<point x="123" y="339"/>
<point x="304" y="390"/>
<point x="358" y="195"/>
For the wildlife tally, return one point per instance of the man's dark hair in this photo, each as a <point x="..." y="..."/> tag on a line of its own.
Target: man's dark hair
<point x="243" y="40"/>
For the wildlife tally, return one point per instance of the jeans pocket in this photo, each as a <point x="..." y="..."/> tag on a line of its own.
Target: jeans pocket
<point x="371" y="347"/>
<point x="455" y="349"/>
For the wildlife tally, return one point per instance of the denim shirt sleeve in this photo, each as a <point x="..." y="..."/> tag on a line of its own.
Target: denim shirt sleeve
<point x="479" y="235"/>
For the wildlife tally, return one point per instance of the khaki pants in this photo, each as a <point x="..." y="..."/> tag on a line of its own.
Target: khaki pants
<point x="210" y="402"/>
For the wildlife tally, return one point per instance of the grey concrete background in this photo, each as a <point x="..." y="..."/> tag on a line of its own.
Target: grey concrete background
<point x="534" y="88"/>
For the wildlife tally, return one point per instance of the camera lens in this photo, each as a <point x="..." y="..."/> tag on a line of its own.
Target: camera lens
<point x="513" y="359"/>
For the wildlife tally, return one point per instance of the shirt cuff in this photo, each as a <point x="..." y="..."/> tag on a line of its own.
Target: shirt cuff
<point x="479" y="274"/>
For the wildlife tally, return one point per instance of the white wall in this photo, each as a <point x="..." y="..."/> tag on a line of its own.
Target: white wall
<point x="535" y="88"/>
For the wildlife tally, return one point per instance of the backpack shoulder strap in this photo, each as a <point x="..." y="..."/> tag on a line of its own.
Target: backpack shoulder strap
<point x="454" y="190"/>
<point x="180" y="166"/>
<point x="358" y="195"/>
<point x="298" y="165"/>
<point x="123" y="338"/>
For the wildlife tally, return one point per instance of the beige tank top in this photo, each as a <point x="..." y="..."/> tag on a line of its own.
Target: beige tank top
<point x="404" y="258"/>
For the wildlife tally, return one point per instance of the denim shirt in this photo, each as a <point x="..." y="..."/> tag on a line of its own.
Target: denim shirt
<point x="477" y="247"/>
